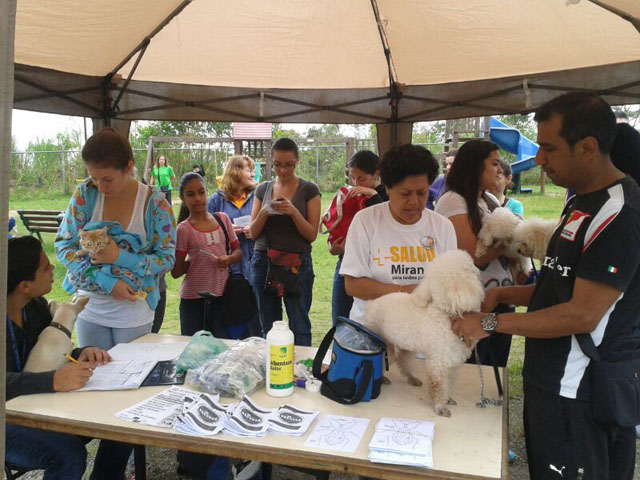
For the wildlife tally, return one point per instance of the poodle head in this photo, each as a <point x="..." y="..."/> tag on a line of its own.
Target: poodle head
<point x="452" y="284"/>
<point x="532" y="236"/>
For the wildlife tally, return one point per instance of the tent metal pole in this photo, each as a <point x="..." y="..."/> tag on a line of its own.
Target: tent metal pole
<point x="114" y="107"/>
<point x="7" y="39"/>
<point x="145" y="41"/>
<point x="629" y="18"/>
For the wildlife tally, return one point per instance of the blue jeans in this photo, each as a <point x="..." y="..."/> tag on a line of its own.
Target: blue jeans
<point x="340" y="302"/>
<point x="112" y="457"/>
<point x="61" y="456"/>
<point x="270" y="306"/>
<point x="94" y="335"/>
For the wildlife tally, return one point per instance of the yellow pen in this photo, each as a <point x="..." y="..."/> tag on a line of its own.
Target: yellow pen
<point x="70" y="358"/>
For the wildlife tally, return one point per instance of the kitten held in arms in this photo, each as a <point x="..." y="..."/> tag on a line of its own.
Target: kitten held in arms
<point x="93" y="241"/>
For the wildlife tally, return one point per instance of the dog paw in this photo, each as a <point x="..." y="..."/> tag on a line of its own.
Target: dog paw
<point x="451" y="401"/>
<point x="414" y="381"/>
<point x="385" y="380"/>
<point x="443" y="411"/>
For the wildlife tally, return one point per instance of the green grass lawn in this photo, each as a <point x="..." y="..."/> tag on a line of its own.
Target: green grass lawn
<point x="535" y="205"/>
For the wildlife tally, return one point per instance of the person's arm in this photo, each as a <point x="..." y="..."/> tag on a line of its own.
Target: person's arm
<point x="369" y="289"/>
<point x="581" y="314"/>
<point x="227" y="260"/>
<point x="516" y="295"/>
<point x="67" y="241"/>
<point x="259" y="217"/>
<point x="161" y="226"/>
<point x="467" y="240"/>
<point x="181" y="266"/>
<point x="234" y="244"/>
<point x="173" y="176"/>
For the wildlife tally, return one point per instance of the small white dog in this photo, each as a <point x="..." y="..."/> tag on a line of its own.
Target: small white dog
<point x="497" y="230"/>
<point x="55" y="340"/>
<point x="420" y="322"/>
<point x="531" y="237"/>
<point x="524" y="239"/>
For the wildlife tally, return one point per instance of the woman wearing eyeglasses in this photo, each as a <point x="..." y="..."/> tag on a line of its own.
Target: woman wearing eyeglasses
<point x="284" y="223"/>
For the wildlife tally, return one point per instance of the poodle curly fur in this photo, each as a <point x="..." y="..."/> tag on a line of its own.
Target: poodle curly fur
<point x="420" y="322"/>
<point x="524" y="239"/>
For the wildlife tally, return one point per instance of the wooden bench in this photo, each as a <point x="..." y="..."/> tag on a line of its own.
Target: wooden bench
<point x="39" y="221"/>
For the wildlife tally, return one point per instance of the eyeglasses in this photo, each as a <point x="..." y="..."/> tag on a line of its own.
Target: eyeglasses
<point x="286" y="166"/>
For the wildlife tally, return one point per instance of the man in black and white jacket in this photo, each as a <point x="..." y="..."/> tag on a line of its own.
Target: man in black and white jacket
<point x="589" y="284"/>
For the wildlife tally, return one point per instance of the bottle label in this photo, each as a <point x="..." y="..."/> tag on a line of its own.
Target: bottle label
<point x="280" y="367"/>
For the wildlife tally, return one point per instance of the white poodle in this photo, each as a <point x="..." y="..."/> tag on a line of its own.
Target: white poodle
<point x="524" y="239"/>
<point x="420" y="322"/>
<point x="54" y="342"/>
<point x="531" y="237"/>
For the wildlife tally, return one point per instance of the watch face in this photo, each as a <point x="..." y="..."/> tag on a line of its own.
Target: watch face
<point x="489" y="322"/>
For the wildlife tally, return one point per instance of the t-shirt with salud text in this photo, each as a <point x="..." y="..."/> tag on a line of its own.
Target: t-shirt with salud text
<point x="495" y="273"/>
<point x="598" y="239"/>
<point x="382" y="249"/>
<point x="203" y="274"/>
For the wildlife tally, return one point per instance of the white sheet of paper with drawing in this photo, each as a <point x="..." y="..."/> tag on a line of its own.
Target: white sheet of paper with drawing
<point x="159" y="410"/>
<point x="147" y="351"/>
<point x="335" y="432"/>
<point x="402" y="441"/>
<point x="119" y="375"/>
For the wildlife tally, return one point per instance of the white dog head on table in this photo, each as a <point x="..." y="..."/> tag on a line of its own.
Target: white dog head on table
<point x="55" y="340"/>
<point x="420" y="322"/>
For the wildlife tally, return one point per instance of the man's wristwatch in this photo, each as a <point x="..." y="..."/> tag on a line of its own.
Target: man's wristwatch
<point x="489" y="322"/>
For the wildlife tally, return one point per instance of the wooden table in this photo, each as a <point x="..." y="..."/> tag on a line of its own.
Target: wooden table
<point x="472" y="444"/>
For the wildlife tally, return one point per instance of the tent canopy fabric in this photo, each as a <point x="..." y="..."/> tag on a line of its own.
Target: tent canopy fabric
<point x="361" y="61"/>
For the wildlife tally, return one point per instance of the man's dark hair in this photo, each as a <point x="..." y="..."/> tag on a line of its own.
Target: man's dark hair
<point x="465" y="173"/>
<point x="583" y="115"/>
<point x="107" y="149"/>
<point x="407" y="160"/>
<point x="625" y="152"/>
<point x="286" y="145"/>
<point x="451" y="153"/>
<point x="23" y="259"/>
<point x="365" y="160"/>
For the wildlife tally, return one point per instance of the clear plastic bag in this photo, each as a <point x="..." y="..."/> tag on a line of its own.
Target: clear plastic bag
<point x="202" y="347"/>
<point x="355" y="340"/>
<point x="237" y="371"/>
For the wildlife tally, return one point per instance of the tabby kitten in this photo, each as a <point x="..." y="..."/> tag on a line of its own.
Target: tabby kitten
<point x="92" y="241"/>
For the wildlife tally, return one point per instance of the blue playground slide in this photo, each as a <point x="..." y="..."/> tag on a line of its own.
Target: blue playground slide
<point x="511" y="140"/>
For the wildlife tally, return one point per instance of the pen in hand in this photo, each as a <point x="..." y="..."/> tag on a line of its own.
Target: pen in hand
<point x="70" y="358"/>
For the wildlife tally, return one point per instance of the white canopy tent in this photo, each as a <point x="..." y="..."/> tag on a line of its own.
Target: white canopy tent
<point x="389" y="62"/>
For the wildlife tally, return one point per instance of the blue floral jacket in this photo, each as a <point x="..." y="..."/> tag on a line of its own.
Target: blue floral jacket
<point x="156" y="258"/>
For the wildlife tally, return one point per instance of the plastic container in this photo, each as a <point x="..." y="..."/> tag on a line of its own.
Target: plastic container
<point x="279" y="382"/>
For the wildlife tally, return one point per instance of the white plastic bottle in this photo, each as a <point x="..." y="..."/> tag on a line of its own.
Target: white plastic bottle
<point x="279" y="360"/>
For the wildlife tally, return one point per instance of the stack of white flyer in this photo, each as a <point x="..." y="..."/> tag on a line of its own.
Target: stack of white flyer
<point x="202" y="415"/>
<point x="402" y="442"/>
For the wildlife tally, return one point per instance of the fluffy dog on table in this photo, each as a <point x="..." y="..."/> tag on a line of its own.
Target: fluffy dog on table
<point x="55" y="340"/>
<point x="420" y="322"/>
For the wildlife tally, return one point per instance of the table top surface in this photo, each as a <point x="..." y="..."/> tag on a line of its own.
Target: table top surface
<point x="470" y="444"/>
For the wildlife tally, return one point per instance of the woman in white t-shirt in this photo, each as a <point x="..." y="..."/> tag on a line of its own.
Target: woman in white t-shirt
<point x="475" y="170"/>
<point x="390" y="245"/>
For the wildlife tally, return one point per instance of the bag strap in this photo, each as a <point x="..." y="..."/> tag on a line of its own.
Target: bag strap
<point x="327" y="389"/>
<point x="224" y="230"/>
<point x="588" y="347"/>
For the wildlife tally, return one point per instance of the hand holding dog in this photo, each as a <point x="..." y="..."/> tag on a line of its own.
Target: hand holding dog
<point x="72" y="376"/>
<point x="468" y="327"/>
<point x="95" y="355"/>
<point x="109" y="254"/>
<point x="490" y="301"/>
